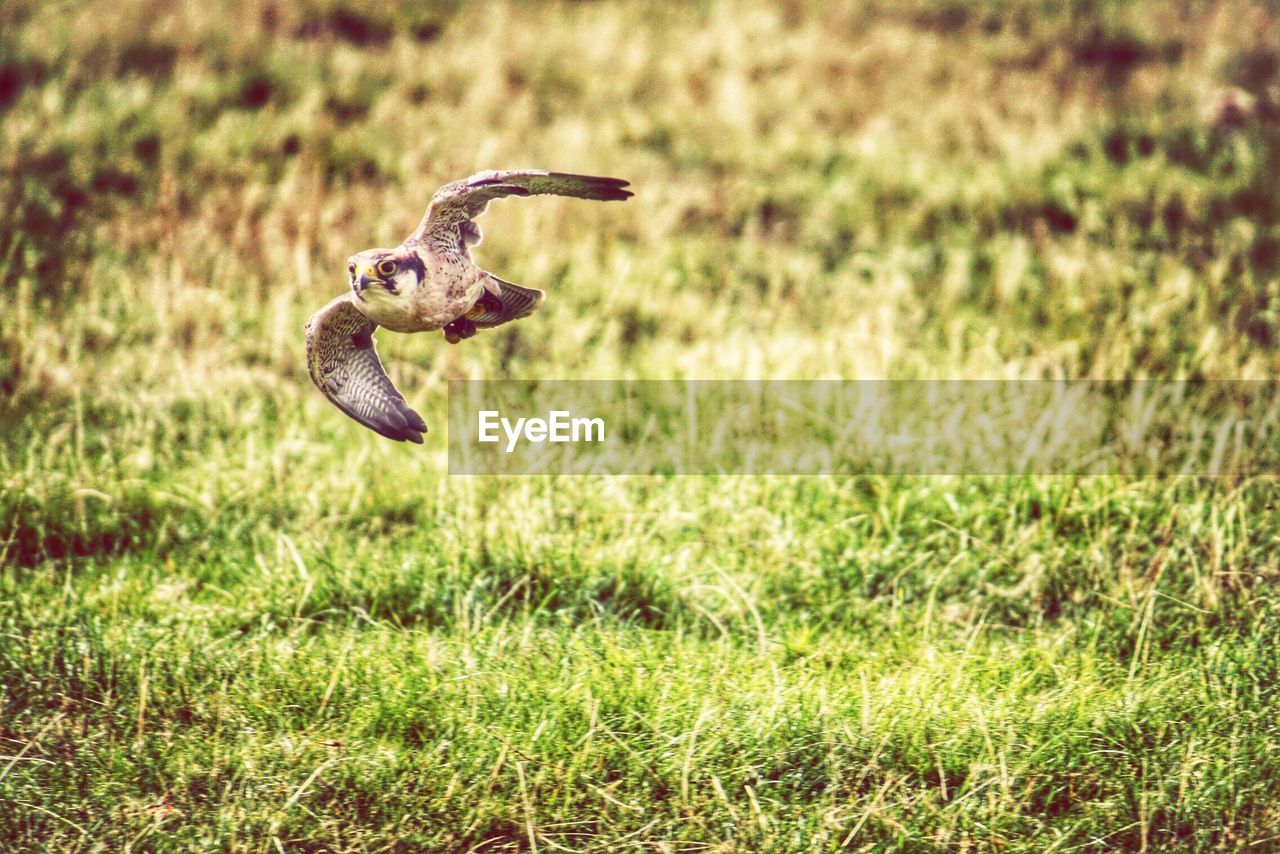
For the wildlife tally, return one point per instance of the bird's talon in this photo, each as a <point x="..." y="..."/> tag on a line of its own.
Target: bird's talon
<point x="459" y="329"/>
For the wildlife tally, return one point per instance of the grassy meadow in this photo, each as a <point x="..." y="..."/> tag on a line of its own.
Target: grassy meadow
<point x="233" y="619"/>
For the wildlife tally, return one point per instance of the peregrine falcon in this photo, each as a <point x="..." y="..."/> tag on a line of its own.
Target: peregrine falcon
<point x="427" y="282"/>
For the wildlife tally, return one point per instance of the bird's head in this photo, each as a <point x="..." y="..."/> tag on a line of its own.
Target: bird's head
<point x="379" y="274"/>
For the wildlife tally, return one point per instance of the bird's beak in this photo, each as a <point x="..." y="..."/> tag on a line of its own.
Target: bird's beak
<point x="367" y="277"/>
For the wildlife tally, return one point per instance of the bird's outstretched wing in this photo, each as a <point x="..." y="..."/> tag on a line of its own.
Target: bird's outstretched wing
<point x="343" y="364"/>
<point x="458" y="203"/>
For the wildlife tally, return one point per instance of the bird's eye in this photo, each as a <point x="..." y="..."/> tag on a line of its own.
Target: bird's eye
<point x="351" y="268"/>
<point x="386" y="267"/>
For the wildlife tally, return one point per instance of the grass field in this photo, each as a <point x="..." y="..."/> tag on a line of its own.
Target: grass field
<point x="231" y="618"/>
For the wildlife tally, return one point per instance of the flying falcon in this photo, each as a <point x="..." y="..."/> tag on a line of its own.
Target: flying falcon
<point x="428" y="282"/>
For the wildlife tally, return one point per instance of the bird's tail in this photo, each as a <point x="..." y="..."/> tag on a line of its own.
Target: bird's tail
<point x="512" y="302"/>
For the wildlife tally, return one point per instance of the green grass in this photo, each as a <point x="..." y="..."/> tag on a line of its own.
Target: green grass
<point x="231" y="618"/>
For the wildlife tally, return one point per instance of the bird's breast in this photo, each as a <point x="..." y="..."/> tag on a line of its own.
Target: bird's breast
<point x="451" y="286"/>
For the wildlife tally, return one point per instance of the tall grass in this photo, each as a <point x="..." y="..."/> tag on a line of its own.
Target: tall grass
<point x="232" y="618"/>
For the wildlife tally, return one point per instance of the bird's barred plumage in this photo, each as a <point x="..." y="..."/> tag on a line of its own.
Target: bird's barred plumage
<point x="428" y="282"/>
<point x="462" y="201"/>
<point x="512" y="303"/>
<point x="343" y="363"/>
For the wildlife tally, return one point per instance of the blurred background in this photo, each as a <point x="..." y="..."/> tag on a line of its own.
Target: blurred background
<point x="1019" y="189"/>
<point x="836" y="190"/>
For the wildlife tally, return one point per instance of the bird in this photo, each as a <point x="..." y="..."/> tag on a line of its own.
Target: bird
<point x="426" y="283"/>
